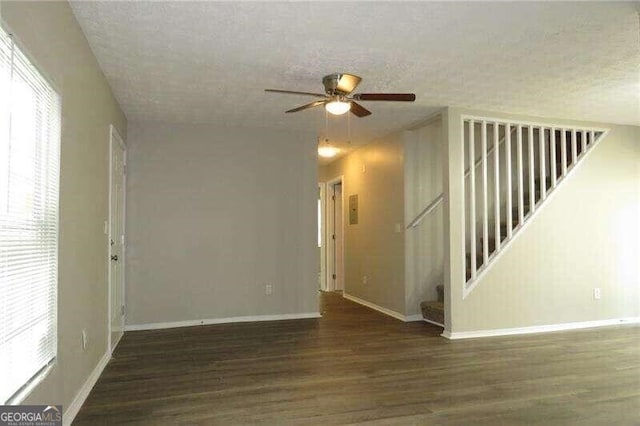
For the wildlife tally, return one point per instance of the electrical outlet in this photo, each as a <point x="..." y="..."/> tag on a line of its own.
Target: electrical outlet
<point x="85" y="339"/>
<point x="364" y="279"/>
<point x="268" y="289"/>
<point x="596" y="293"/>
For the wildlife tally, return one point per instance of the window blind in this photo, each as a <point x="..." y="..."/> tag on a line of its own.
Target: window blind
<point x="29" y="187"/>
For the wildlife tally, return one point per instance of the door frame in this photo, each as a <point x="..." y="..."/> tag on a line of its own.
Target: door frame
<point x="323" y="237"/>
<point x="330" y="230"/>
<point x="113" y="132"/>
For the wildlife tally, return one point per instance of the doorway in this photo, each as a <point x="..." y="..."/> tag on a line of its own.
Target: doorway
<point x="116" y="240"/>
<point x="335" y="235"/>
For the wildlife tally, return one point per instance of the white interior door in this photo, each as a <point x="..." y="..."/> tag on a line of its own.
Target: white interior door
<point x="117" y="172"/>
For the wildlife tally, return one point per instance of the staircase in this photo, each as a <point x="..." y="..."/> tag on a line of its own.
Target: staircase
<point x="433" y="311"/>
<point x="511" y="169"/>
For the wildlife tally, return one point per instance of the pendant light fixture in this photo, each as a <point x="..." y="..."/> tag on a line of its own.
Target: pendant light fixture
<point x="326" y="150"/>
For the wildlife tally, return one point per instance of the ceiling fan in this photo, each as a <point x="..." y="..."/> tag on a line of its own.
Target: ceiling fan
<point x="338" y="99"/>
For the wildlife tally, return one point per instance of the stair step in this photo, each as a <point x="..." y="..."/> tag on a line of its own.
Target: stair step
<point x="525" y="211"/>
<point x="433" y="311"/>
<point x="440" y="290"/>
<point x="547" y="182"/>
<point x="492" y="241"/>
<point x="503" y="227"/>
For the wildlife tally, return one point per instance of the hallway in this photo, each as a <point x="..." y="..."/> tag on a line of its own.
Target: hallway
<point x="355" y="365"/>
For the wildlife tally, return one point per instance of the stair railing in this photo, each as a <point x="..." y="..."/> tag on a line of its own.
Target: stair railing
<point x="534" y="181"/>
<point x="435" y="202"/>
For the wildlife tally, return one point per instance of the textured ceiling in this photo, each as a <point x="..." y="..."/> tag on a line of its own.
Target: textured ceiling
<point x="209" y="62"/>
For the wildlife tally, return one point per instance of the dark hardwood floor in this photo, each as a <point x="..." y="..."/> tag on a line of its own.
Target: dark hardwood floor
<point x="358" y="366"/>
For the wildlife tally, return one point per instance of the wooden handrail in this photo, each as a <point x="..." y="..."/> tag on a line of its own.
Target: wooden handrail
<point x="438" y="199"/>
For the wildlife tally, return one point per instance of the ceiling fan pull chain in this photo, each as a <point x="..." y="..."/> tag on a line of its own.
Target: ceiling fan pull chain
<point x="349" y="129"/>
<point x="326" y="125"/>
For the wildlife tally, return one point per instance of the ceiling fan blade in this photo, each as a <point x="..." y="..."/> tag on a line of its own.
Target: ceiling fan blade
<point x="399" y="97"/>
<point x="358" y="110"/>
<point x="291" y="92"/>
<point x="348" y="83"/>
<point x="309" y="105"/>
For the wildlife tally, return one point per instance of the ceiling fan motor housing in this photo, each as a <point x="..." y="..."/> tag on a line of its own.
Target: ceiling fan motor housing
<point x="338" y="89"/>
<point x="339" y="84"/>
<point x="330" y="83"/>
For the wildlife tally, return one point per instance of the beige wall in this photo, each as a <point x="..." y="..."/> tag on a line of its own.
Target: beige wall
<point x="586" y="236"/>
<point x="373" y="247"/>
<point x="213" y="215"/>
<point x="424" y="243"/>
<point x="50" y="34"/>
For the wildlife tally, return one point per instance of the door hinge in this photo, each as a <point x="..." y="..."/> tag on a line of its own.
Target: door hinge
<point x="334" y="276"/>
<point x="122" y="310"/>
<point x="333" y="197"/>
<point x="333" y="237"/>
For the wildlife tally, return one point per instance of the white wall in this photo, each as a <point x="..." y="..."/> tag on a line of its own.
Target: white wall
<point x="213" y="215"/>
<point x="587" y="235"/>
<point x="50" y="34"/>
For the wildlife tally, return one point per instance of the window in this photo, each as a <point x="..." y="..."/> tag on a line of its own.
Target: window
<point x="29" y="174"/>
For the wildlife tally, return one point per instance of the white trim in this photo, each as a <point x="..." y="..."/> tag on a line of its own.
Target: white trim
<point x="433" y="322"/>
<point x="485" y="203"/>
<point x="114" y="132"/>
<point x="115" y="344"/>
<point x="531" y="123"/>
<point x="413" y="318"/>
<point x="33" y="383"/>
<point x="330" y="283"/>
<point x="539" y="328"/>
<point x="472" y="201"/>
<point x="389" y="312"/>
<point x="323" y="236"/>
<point x="73" y="408"/>
<point x="210" y="321"/>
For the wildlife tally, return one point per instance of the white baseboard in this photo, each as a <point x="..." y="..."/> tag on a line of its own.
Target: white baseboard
<point x="73" y="408"/>
<point x="191" y="323"/>
<point x="538" y="328"/>
<point x="432" y="322"/>
<point x="413" y="318"/>
<point x="389" y="312"/>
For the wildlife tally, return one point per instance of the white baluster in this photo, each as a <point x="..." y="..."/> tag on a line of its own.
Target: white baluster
<point x="507" y="150"/>
<point x="496" y="179"/>
<point x="485" y="207"/>
<point x="532" y="173"/>
<point x="574" y="148"/>
<point x="472" y="197"/>
<point x="553" y="168"/>
<point x="520" y="177"/>
<point x="563" y="151"/>
<point x="543" y="172"/>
